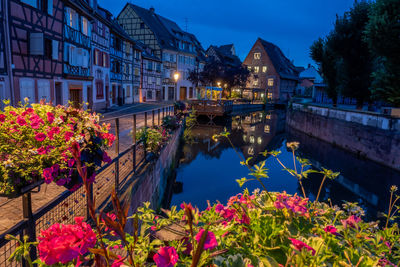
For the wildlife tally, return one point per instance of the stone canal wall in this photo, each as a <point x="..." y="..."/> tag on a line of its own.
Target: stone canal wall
<point x="372" y="136"/>
<point x="151" y="181"/>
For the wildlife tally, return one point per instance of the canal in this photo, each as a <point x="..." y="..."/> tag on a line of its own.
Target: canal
<point x="207" y="170"/>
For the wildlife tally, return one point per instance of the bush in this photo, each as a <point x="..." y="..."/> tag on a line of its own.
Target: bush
<point x="151" y="137"/>
<point x="170" y="123"/>
<point x="36" y="144"/>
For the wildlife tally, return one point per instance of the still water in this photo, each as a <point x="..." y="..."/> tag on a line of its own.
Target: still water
<point x="207" y="169"/>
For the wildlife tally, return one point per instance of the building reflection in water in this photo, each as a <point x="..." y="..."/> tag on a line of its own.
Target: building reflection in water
<point x="207" y="169"/>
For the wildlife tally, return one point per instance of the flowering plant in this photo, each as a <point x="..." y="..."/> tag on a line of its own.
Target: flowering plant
<point x="36" y="144"/>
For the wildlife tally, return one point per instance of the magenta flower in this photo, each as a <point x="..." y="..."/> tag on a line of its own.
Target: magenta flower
<point x="62" y="243"/>
<point x="21" y="121"/>
<point x="68" y="135"/>
<point x="50" y="117"/>
<point x="352" y="221"/>
<point x="2" y="118"/>
<point x="106" y="158"/>
<point x="331" y="229"/>
<point x="47" y="175"/>
<point x="299" y="245"/>
<point x="71" y="163"/>
<point x="211" y="241"/>
<point x="166" y="257"/>
<point x="294" y="203"/>
<point x="40" y="137"/>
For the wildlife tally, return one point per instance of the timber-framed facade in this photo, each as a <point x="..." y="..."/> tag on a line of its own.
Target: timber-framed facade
<point x="35" y="29"/>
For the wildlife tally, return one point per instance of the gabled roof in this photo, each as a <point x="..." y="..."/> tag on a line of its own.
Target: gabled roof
<point x="167" y="32"/>
<point x="282" y="64"/>
<point x="224" y="54"/>
<point x="312" y="74"/>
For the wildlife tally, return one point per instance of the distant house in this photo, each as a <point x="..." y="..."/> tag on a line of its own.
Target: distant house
<point x="310" y="83"/>
<point x="5" y="88"/>
<point x="273" y="75"/>
<point x="177" y="49"/>
<point x="224" y="54"/>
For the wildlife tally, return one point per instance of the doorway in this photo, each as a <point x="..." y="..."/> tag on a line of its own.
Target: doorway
<point x="90" y="96"/>
<point x="182" y="94"/>
<point x="75" y="95"/>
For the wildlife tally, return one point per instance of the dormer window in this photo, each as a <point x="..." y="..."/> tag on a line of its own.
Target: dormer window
<point x="257" y="55"/>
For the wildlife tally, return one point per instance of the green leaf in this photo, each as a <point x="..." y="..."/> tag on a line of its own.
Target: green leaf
<point x="241" y="181"/>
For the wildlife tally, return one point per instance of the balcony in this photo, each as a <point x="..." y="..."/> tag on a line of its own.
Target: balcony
<point x="76" y="71"/>
<point x="74" y="36"/>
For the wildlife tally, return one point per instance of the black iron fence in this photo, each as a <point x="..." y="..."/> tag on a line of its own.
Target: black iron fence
<point x="69" y="205"/>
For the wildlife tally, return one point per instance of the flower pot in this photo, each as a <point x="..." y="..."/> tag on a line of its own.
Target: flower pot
<point x="22" y="190"/>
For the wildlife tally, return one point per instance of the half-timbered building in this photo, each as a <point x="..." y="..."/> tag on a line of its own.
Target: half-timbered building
<point x="273" y="76"/>
<point x="137" y="73"/>
<point x="78" y="78"/>
<point x="168" y="42"/>
<point x="5" y="91"/>
<point x="151" y="77"/>
<point x="100" y="59"/>
<point x="127" y="67"/>
<point x="35" y="29"/>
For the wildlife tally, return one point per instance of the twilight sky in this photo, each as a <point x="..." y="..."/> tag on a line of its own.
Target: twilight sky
<point x="291" y="24"/>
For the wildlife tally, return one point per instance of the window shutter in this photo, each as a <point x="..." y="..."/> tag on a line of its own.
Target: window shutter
<point x="36" y="43"/>
<point x="54" y="47"/>
<point x="50" y="7"/>
<point x="27" y="89"/>
<point x="101" y="58"/>
<point x="85" y="58"/>
<point x="44" y="90"/>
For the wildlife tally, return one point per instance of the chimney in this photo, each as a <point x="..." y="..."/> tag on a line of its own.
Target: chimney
<point x="151" y="10"/>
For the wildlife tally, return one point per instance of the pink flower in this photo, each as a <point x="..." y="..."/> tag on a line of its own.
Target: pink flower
<point x="47" y="175"/>
<point x="106" y="158"/>
<point x="71" y="163"/>
<point x="166" y="257"/>
<point x="331" y="229"/>
<point x="62" y="243"/>
<point x="13" y="113"/>
<point x="50" y="117"/>
<point x="299" y="245"/>
<point x="40" y="137"/>
<point x="294" y="203"/>
<point x="68" y="135"/>
<point x="244" y="220"/>
<point x="352" y="221"/>
<point x="211" y="241"/>
<point x="41" y="151"/>
<point x="2" y="118"/>
<point x="21" y="121"/>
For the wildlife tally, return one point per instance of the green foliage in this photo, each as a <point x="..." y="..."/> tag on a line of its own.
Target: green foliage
<point x="170" y="123"/>
<point x="151" y="137"/>
<point x="191" y="121"/>
<point x="382" y="35"/>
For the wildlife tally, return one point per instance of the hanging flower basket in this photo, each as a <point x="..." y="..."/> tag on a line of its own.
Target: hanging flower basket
<point x="36" y="146"/>
<point x="22" y="190"/>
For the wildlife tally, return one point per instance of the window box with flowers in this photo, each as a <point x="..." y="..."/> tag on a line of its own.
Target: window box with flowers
<point x="36" y="144"/>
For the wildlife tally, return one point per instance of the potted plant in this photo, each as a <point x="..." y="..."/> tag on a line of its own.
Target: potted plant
<point x="36" y="146"/>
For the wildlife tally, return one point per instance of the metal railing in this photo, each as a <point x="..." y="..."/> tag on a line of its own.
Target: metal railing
<point x="69" y="205"/>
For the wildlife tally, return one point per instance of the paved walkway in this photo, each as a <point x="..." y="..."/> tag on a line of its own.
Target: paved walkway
<point x="11" y="209"/>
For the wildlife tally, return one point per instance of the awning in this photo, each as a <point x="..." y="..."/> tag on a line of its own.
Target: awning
<point x="213" y="88"/>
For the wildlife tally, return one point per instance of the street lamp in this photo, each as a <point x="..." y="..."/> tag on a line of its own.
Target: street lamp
<point x="176" y="78"/>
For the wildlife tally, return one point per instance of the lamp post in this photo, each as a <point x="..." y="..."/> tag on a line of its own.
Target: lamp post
<point x="176" y="78"/>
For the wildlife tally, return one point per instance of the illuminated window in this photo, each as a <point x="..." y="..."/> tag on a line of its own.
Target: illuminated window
<point x="255" y="82"/>
<point x="270" y="82"/>
<point x="244" y="138"/>
<point x="256" y="69"/>
<point x="85" y="26"/>
<point x="268" y="117"/>
<point x="266" y="129"/>
<point x="250" y="151"/>
<point x="264" y="69"/>
<point x="252" y="139"/>
<point x="257" y="55"/>
<point x="249" y="68"/>
<point x="252" y="128"/>
<point x="259" y="140"/>
<point x="269" y="96"/>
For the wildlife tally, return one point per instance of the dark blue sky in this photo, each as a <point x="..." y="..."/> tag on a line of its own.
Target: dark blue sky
<point x="291" y="24"/>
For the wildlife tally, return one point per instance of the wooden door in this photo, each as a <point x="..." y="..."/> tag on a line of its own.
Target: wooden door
<point x="75" y="96"/>
<point x="58" y="93"/>
<point x="182" y="95"/>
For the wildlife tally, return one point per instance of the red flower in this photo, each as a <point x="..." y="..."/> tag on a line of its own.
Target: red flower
<point x="352" y="221"/>
<point x="2" y="118"/>
<point x="299" y="245"/>
<point x="40" y="137"/>
<point x="64" y="243"/>
<point x="166" y="257"/>
<point x="68" y="135"/>
<point x="211" y="241"/>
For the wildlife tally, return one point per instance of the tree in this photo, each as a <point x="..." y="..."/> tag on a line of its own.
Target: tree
<point x="383" y="37"/>
<point x="344" y="57"/>
<point x="321" y="52"/>
<point x="215" y="72"/>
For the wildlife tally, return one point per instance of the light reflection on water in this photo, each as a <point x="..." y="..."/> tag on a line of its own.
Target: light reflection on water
<point x="208" y="169"/>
